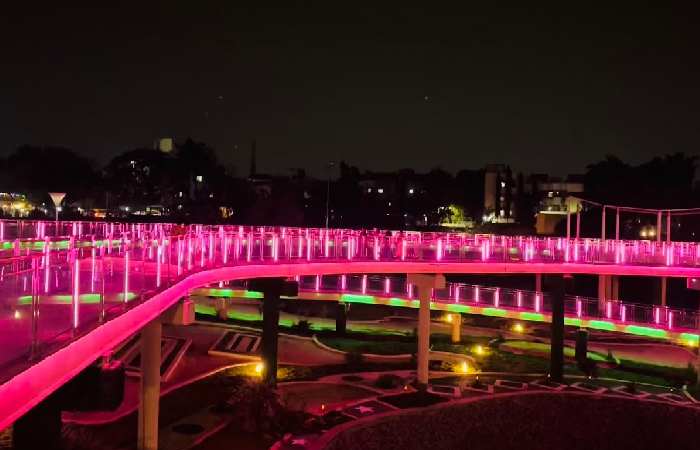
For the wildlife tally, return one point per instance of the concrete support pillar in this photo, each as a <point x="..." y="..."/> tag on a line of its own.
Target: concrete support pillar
<point x="424" y="285"/>
<point x="615" y="294"/>
<point x="663" y="291"/>
<point x="341" y="318"/>
<point x="556" y="364"/>
<point x="220" y="305"/>
<point x="456" y="328"/>
<point x="538" y="282"/>
<point x="602" y="224"/>
<point x="150" y="386"/>
<point x="578" y="223"/>
<point x="602" y="291"/>
<point x="272" y="289"/>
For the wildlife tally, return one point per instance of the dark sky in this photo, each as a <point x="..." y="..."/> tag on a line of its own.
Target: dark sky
<point x="539" y="88"/>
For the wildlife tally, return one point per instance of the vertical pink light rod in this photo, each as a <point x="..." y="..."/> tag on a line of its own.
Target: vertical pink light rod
<point x="76" y="292"/>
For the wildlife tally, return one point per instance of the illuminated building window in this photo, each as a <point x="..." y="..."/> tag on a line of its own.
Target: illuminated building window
<point x="200" y="178"/>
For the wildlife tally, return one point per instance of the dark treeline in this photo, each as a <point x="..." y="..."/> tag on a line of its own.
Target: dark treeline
<point x="190" y="184"/>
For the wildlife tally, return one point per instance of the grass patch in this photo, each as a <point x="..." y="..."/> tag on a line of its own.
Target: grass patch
<point x="364" y="346"/>
<point x="541" y="347"/>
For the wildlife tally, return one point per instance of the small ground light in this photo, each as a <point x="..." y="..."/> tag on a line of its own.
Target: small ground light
<point x="464" y="367"/>
<point x="18" y="315"/>
<point x="259" y="368"/>
<point x="448" y="318"/>
<point x="518" y="328"/>
<point x="479" y="350"/>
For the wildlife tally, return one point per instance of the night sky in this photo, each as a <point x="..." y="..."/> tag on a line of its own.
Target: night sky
<point x="545" y="90"/>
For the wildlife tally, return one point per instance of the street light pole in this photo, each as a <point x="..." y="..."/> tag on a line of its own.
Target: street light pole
<point x="328" y="190"/>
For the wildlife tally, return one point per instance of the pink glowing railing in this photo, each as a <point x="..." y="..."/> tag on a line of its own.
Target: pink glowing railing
<point x="54" y="288"/>
<point x="505" y="298"/>
<point x="20" y="238"/>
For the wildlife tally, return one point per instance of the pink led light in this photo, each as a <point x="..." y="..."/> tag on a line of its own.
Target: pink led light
<point x="387" y="285"/>
<point x="608" y="309"/>
<point x="403" y="250"/>
<point x="343" y="282"/>
<point x="47" y="265"/>
<point x="376" y="249"/>
<point x="623" y="313"/>
<point x="579" y="308"/>
<point x="409" y="289"/>
<point x="2" y="230"/>
<point x="126" y="275"/>
<point x="275" y="248"/>
<point x="476" y="294"/>
<point x="657" y="315"/>
<point x="92" y="267"/>
<point x="496" y="297"/>
<point x="439" y="250"/>
<point x="76" y="291"/>
<point x="317" y="286"/>
<point x="670" y="320"/>
<point x="159" y="252"/>
<point x="538" y="302"/>
<point x="519" y="299"/>
<point x="457" y="293"/>
<point x="364" y="284"/>
<point x="308" y="249"/>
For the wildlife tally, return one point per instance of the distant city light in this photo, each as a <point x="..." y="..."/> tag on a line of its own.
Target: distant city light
<point x="518" y="328"/>
<point x="380" y="190"/>
<point x="259" y="368"/>
<point x="369" y="190"/>
<point x="200" y="178"/>
<point x="410" y="191"/>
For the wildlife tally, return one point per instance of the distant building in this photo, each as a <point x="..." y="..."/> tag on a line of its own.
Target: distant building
<point x="556" y="198"/>
<point x="500" y="192"/>
<point x="164" y="145"/>
<point x="14" y="205"/>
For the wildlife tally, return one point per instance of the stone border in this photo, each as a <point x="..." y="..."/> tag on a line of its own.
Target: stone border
<point x="579" y="386"/>
<point x="500" y="384"/>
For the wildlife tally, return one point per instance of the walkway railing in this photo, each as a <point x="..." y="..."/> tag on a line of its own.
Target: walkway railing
<point x="575" y="307"/>
<point x="57" y="283"/>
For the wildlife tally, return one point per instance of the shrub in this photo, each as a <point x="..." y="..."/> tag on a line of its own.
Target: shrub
<point x="256" y="408"/>
<point x="610" y="357"/>
<point x="302" y="327"/>
<point x="588" y="367"/>
<point x="354" y="358"/>
<point x="388" y="381"/>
